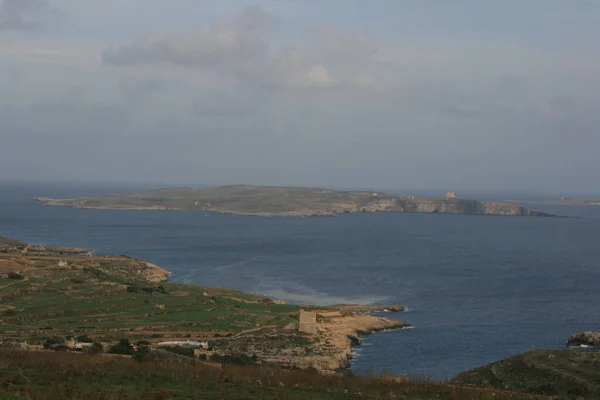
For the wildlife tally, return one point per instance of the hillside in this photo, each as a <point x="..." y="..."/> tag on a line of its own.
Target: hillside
<point x="55" y="293"/>
<point x="262" y="200"/>
<point x="59" y="376"/>
<point x="563" y="373"/>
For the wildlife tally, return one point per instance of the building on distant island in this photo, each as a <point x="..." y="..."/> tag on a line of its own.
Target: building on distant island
<point x="450" y="195"/>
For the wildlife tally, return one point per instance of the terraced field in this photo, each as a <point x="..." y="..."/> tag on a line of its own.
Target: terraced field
<point x="108" y="298"/>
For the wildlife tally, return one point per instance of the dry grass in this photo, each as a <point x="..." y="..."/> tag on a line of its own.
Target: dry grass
<point x="49" y="376"/>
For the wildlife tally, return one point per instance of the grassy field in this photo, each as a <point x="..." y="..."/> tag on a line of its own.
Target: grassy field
<point x="103" y="298"/>
<point x="50" y="376"/>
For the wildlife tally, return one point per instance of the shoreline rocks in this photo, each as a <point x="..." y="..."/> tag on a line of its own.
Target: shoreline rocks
<point x="589" y="339"/>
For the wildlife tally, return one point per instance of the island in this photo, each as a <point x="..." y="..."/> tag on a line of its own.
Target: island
<point x="563" y="201"/>
<point x="289" y="201"/>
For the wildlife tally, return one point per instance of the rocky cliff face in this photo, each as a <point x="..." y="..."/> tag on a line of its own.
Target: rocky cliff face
<point x="462" y="206"/>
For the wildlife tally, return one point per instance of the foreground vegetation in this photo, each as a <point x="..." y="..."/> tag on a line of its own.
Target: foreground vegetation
<point x="566" y="373"/>
<point x="50" y="376"/>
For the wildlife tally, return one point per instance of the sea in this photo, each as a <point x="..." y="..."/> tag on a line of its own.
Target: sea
<point x="477" y="288"/>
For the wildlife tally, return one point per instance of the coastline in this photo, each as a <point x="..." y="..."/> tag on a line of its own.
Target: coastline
<point x="277" y="334"/>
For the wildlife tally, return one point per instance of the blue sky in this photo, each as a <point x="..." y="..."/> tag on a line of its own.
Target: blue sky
<point x="429" y="94"/>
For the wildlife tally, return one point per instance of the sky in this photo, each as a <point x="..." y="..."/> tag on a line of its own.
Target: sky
<point x="424" y="94"/>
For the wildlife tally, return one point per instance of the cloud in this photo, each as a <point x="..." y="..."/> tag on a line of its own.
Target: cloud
<point x="15" y="73"/>
<point x="244" y="48"/>
<point x="223" y="45"/>
<point x="69" y="112"/>
<point x="25" y="15"/>
<point x="242" y="100"/>
<point x="133" y="88"/>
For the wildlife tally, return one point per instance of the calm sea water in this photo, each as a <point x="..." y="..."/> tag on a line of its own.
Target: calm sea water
<point x="478" y="288"/>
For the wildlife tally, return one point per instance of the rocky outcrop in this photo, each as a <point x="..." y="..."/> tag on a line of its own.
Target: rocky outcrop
<point x="324" y="339"/>
<point x="339" y="333"/>
<point x="591" y="339"/>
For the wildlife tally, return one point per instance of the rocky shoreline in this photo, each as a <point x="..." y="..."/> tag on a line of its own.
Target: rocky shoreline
<point x="584" y="339"/>
<point x="322" y="339"/>
<point x="256" y="327"/>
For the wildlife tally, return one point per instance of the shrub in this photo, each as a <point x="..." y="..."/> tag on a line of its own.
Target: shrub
<point x="123" y="347"/>
<point x="96" y="348"/>
<point x="141" y="353"/>
<point x="238" y="359"/>
<point x="132" y="289"/>
<point x="10" y="313"/>
<point x="85" y="339"/>
<point x="162" y="289"/>
<point x="16" y="275"/>
<point x="182" y="351"/>
<point x="53" y="340"/>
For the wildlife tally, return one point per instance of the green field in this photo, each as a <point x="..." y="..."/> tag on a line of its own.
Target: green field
<point x="98" y="297"/>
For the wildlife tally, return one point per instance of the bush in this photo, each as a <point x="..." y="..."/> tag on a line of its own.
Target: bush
<point x="123" y="347"/>
<point x="141" y="353"/>
<point x="96" y="348"/>
<point x="143" y="343"/>
<point x="85" y="339"/>
<point x="16" y="275"/>
<point x="10" y="313"/>
<point x="132" y="289"/>
<point x="53" y="340"/>
<point x="182" y="351"/>
<point x="238" y="359"/>
<point x="162" y="289"/>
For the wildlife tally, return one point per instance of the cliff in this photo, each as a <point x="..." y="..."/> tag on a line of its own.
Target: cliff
<point x="286" y="201"/>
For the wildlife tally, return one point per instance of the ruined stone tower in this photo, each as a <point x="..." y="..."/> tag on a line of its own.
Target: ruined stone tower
<point x="307" y="322"/>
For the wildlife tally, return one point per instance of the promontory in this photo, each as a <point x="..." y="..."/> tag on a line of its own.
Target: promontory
<point x="288" y="201"/>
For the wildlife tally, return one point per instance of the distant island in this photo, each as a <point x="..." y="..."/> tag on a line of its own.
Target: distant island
<point x="565" y="201"/>
<point x="289" y="201"/>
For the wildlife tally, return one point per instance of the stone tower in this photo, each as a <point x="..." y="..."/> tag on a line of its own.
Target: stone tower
<point x="307" y="322"/>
